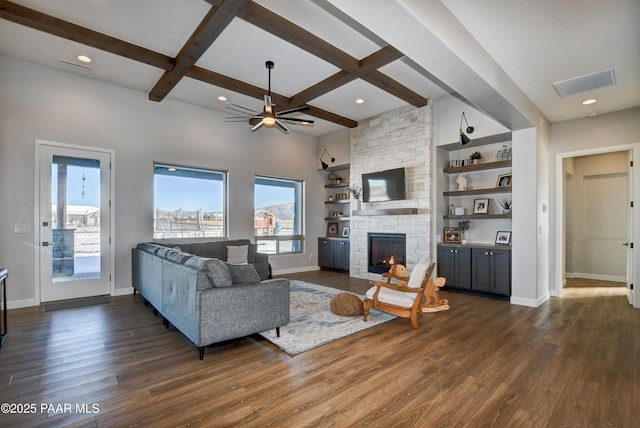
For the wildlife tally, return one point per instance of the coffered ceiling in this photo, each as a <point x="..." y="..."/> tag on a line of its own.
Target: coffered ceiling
<point x="325" y="56"/>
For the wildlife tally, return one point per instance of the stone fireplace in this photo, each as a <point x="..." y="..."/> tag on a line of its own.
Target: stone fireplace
<point x="399" y="138"/>
<point x="386" y="249"/>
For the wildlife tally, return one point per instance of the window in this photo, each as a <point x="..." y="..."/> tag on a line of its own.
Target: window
<point x="188" y="202"/>
<point x="278" y="215"/>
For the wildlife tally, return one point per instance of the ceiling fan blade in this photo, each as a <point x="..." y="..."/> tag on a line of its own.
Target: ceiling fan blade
<point x="255" y="120"/>
<point x="240" y="109"/>
<point x="293" y="110"/>
<point x="258" y="126"/>
<point x="281" y="127"/>
<point x="244" y="117"/>
<point x="295" y="119"/>
<point x="268" y="107"/>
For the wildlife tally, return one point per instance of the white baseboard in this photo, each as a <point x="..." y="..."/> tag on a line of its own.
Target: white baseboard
<point x="16" y="304"/>
<point x="124" y="291"/>
<point x="295" y="270"/>
<point x="532" y="303"/>
<point x="596" y="277"/>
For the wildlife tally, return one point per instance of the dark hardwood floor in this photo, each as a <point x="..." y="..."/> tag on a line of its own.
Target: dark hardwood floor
<point x="574" y="361"/>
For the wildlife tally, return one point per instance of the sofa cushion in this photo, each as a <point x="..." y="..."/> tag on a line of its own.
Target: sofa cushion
<point x="148" y="247"/>
<point x="178" y="256"/>
<point x="237" y="254"/>
<point x="243" y="274"/>
<point x="216" y="270"/>
<point x="210" y="249"/>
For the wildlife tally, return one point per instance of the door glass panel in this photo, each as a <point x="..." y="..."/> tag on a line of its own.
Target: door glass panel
<point x="75" y="218"/>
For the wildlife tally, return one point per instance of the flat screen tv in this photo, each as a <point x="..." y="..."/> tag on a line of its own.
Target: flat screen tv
<point x="382" y="186"/>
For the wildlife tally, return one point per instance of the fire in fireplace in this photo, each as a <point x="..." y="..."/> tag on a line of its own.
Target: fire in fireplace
<point x="386" y="249"/>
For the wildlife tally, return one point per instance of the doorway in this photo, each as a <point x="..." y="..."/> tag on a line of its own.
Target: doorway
<point x="595" y="219"/>
<point x="73" y="222"/>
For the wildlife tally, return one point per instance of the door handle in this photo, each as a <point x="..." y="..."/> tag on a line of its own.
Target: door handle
<point x="626" y="244"/>
<point x="45" y="244"/>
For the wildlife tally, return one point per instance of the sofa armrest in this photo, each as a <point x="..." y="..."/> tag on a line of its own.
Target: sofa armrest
<point x="242" y="309"/>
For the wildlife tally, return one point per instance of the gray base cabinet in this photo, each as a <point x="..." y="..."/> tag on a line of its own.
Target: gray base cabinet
<point x="454" y="264"/>
<point x="491" y="271"/>
<point x="483" y="269"/>
<point x="333" y="254"/>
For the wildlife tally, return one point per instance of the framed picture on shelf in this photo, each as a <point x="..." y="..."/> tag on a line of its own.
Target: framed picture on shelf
<point x="504" y="180"/>
<point x="452" y="235"/>
<point x="332" y="229"/>
<point x="345" y="231"/>
<point x="503" y="237"/>
<point x="481" y="206"/>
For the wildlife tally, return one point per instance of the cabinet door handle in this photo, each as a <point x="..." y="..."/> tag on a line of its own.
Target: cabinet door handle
<point x="491" y="253"/>
<point x="486" y="253"/>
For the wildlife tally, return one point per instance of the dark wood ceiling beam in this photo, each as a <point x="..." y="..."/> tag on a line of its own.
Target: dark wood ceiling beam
<point x="210" y="28"/>
<point x="389" y="85"/>
<point x="331" y="117"/>
<point x="368" y="65"/>
<point x="222" y="81"/>
<point x="286" y="30"/>
<point x="58" y="27"/>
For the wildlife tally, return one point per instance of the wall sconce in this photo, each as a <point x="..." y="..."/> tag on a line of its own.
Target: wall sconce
<point x="463" y="138"/>
<point x="323" y="163"/>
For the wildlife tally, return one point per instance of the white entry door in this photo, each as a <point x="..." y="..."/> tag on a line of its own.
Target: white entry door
<point x="74" y="222"/>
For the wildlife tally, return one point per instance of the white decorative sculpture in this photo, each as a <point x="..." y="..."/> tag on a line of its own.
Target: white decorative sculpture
<point x="462" y="182"/>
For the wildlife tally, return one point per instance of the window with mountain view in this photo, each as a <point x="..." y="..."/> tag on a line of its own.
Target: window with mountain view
<point x="278" y="215"/>
<point x="188" y="202"/>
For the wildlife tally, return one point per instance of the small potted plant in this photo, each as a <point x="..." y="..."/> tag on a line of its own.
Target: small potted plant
<point x="506" y="204"/>
<point x="463" y="226"/>
<point x="475" y="157"/>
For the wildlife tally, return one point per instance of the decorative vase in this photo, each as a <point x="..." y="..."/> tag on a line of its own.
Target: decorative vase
<point x="476" y="161"/>
<point x="357" y="207"/>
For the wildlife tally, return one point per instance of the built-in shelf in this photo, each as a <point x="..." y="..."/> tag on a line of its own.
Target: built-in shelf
<point x="481" y="245"/>
<point x="337" y="167"/>
<point x="336" y="186"/>
<point x="337" y="218"/>
<point x="477" y="167"/>
<point x="503" y="189"/>
<point x="338" y="202"/>
<point x="475" y="216"/>
<point x="386" y="211"/>
<point x="477" y="142"/>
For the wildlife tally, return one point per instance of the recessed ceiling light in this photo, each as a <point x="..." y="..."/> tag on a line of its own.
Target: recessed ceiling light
<point x="84" y="58"/>
<point x="589" y="101"/>
<point x="222" y="98"/>
<point x="359" y="101"/>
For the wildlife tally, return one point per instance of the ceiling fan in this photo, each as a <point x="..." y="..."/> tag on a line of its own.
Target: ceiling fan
<point x="268" y="117"/>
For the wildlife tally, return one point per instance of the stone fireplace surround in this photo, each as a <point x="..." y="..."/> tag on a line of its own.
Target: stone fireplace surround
<point x="399" y="138"/>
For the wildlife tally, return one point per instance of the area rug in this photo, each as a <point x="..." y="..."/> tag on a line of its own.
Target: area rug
<point x="75" y="303"/>
<point x="311" y="322"/>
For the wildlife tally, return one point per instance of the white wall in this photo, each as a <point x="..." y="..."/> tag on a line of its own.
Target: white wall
<point x="607" y="132"/>
<point x="46" y="104"/>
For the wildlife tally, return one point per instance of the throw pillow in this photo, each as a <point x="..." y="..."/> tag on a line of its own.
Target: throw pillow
<point x="238" y="255"/>
<point x="243" y="274"/>
<point x="216" y="270"/>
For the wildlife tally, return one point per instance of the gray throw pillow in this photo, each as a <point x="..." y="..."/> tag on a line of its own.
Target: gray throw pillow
<point x="216" y="270"/>
<point x="243" y="274"/>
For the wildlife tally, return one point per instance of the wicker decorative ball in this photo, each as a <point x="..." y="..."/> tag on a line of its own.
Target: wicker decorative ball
<point x="346" y="304"/>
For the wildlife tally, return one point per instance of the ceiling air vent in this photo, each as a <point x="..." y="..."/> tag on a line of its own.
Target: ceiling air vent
<point x="586" y="82"/>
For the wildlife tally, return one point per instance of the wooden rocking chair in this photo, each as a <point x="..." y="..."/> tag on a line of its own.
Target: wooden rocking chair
<point x="410" y="297"/>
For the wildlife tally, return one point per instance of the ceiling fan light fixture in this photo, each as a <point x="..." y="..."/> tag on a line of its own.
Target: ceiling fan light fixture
<point x="359" y="101"/>
<point x="222" y="98"/>
<point x="269" y="121"/>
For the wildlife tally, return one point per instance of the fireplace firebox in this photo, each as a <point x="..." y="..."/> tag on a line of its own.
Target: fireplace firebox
<point x="386" y="249"/>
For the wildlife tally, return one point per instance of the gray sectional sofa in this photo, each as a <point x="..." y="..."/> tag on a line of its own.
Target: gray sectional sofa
<point x="209" y="300"/>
